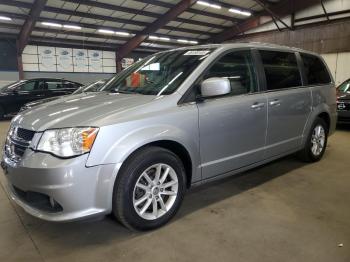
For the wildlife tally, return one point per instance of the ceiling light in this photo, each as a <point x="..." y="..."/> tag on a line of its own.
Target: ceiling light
<point x="164" y="38"/>
<point x="153" y="37"/>
<point x="51" y="24"/>
<point x="72" y="27"/>
<point x="193" y="42"/>
<point x="183" y="41"/>
<point x="236" y="11"/>
<point x="208" y="4"/>
<point x="5" y="18"/>
<point x="122" y="33"/>
<point x="104" y="31"/>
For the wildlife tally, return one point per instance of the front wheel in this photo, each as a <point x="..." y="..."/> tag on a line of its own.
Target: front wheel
<point x="316" y="142"/>
<point x="149" y="189"/>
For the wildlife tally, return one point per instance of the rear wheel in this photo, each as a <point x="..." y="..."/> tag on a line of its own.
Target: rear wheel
<point x="316" y="142"/>
<point x="149" y="189"/>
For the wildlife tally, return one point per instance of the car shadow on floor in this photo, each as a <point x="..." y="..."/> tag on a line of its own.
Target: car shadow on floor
<point x="76" y="235"/>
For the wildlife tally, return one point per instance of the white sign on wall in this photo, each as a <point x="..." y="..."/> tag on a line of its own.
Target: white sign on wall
<point x="47" y="58"/>
<point x="57" y="59"/>
<point x="64" y="60"/>
<point x="95" y="61"/>
<point x="80" y="60"/>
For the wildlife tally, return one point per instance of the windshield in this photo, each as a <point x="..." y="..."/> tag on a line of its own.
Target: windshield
<point x="12" y="86"/>
<point x="159" y="74"/>
<point x="93" y="87"/>
<point x="345" y="87"/>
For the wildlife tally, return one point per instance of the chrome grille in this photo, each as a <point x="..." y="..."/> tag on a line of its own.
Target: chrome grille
<point x="25" y="134"/>
<point x="343" y="106"/>
<point x="17" y="141"/>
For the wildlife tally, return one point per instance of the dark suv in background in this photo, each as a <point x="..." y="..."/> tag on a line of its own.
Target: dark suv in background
<point x="15" y="95"/>
<point x="343" y="102"/>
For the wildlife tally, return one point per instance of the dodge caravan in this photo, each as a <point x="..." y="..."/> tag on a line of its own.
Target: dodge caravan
<point x="173" y="120"/>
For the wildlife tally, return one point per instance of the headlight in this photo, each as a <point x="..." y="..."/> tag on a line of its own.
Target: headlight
<point x="68" y="142"/>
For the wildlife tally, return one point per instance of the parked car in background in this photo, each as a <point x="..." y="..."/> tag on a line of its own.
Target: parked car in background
<point x="15" y="95"/>
<point x="176" y="119"/>
<point x="343" y="102"/>
<point x="93" y="87"/>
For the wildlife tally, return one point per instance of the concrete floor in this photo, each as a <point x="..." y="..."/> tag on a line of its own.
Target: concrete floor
<point x="284" y="211"/>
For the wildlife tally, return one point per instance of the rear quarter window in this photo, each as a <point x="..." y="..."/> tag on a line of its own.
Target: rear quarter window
<point x="315" y="70"/>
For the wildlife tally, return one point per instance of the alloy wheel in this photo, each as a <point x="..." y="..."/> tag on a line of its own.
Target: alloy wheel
<point x="155" y="191"/>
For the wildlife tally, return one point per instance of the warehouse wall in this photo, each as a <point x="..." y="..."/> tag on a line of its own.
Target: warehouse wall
<point x="8" y="62"/>
<point x="338" y="63"/>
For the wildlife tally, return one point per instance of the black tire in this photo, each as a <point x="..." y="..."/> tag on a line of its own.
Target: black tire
<point x="306" y="154"/>
<point x="131" y="171"/>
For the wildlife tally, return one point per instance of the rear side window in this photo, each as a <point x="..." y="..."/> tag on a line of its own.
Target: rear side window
<point x="281" y="69"/>
<point x="315" y="70"/>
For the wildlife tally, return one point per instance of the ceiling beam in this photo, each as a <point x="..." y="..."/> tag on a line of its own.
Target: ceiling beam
<point x="191" y="10"/>
<point x="134" y="11"/>
<point x="100" y="36"/>
<point x="69" y="43"/>
<point x="281" y="9"/>
<point x="134" y="42"/>
<point x="29" y="24"/>
<point x="104" y="18"/>
<point x="265" y="5"/>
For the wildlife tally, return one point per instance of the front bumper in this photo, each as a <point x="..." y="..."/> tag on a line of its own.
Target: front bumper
<point x="343" y="117"/>
<point x="79" y="191"/>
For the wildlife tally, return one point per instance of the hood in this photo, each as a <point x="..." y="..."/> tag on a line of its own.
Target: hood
<point x="41" y="101"/>
<point x="87" y="109"/>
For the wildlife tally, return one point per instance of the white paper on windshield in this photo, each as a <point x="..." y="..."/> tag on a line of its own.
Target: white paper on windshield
<point x="197" y="52"/>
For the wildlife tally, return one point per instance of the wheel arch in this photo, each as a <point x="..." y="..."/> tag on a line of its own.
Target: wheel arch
<point x="175" y="147"/>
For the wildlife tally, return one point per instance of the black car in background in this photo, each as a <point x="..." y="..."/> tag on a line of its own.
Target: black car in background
<point x="93" y="87"/>
<point x="343" y="102"/>
<point x="15" y="95"/>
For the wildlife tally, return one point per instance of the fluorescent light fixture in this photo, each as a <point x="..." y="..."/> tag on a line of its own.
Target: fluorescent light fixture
<point x="51" y="24"/>
<point x="208" y="4"/>
<point x="164" y="38"/>
<point x="72" y="27"/>
<point x="5" y="18"/>
<point x="236" y="11"/>
<point x="184" y="41"/>
<point x="104" y="31"/>
<point x="153" y="37"/>
<point x="122" y="33"/>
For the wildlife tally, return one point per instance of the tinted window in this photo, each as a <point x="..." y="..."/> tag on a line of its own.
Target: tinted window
<point x="52" y="84"/>
<point x="238" y="68"/>
<point x="281" y="70"/>
<point x="28" y="86"/>
<point x="68" y="84"/>
<point x="315" y="70"/>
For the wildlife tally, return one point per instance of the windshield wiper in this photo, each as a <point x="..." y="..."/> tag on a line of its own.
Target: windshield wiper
<point x="122" y="91"/>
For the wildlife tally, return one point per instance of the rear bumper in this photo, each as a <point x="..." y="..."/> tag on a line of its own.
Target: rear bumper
<point x="60" y="189"/>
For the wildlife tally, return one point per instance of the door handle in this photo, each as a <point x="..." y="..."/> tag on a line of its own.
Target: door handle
<point x="257" y="105"/>
<point x="275" y="103"/>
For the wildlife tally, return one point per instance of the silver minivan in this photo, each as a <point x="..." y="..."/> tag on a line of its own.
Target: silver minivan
<point x="176" y="119"/>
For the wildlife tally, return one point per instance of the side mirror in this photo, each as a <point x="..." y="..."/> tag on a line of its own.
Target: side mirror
<point x="215" y="86"/>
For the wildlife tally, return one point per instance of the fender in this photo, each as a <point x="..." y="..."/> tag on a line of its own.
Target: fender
<point x="114" y="145"/>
